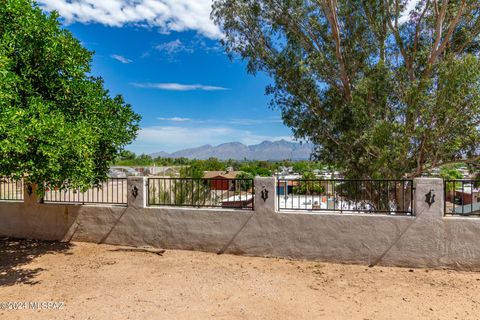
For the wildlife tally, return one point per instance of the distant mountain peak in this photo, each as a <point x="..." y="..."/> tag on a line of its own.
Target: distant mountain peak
<point x="230" y="144"/>
<point x="266" y="150"/>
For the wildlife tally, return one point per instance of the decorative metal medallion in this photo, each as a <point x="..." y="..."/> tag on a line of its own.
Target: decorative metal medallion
<point x="430" y="198"/>
<point x="264" y="194"/>
<point x="134" y="191"/>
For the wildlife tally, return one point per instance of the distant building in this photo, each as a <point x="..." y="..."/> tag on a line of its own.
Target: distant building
<point x="221" y="180"/>
<point x="173" y="171"/>
<point x="123" y="172"/>
<point x="287" y="182"/>
<point x="467" y="196"/>
<point x="327" y="174"/>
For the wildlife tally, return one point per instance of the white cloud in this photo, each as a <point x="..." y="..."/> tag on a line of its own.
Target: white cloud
<point x="173" y="47"/>
<point x="173" y="138"/>
<point x="175" y="119"/>
<point x="233" y="121"/>
<point x="252" y="122"/>
<point x="177" y="46"/>
<point x="177" y="86"/>
<point x="120" y="58"/>
<point x="167" y="15"/>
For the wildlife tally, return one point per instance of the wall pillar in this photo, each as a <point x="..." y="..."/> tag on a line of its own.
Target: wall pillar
<point x="137" y="192"/>
<point x="265" y="186"/>
<point x="29" y="195"/>
<point x="431" y="188"/>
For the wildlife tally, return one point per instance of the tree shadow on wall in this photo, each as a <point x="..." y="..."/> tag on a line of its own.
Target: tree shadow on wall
<point x="16" y="254"/>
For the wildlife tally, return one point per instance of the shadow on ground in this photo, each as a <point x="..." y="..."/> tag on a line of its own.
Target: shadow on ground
<point x="15" y="254"/>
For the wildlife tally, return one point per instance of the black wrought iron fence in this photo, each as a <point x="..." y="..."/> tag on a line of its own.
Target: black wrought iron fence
<point x="11" y="189"/>
<point x="113" y="191"/>
<point x="362" y="196"/>
<point x="201" y="192"/>
<point x="462" y="197"/>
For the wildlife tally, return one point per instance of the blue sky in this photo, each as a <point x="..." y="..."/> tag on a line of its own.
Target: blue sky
<point x="164" y="57"/>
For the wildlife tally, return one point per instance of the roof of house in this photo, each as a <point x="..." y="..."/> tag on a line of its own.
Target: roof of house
<point x="221" y="174"/>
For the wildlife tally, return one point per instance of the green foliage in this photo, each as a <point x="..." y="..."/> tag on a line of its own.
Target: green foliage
<point x="258" y="168"/>
<point x="310" y="186"/>
<point x="59" y="127"/>
<point x="191" y="192"/>
<point x="126" y="155"/>
<point x="146" y="160"/>
<point x="302" y="167"/>
<point x="247" y="182"/>
<point x="450" y="172"/>
<point x="182" y="192"/>
<point x="193" y="170"/>
<point x="378" y="98"/>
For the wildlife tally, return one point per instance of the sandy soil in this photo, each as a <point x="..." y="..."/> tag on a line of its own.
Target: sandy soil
<point x="108" y="282"/>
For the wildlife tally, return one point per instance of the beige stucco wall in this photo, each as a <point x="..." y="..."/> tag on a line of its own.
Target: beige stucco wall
<point x="426" y="240"/>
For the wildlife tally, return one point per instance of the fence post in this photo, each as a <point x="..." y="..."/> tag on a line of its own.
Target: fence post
<point x="29" y="194"/>
<point x="429" y="197"/>
<point x="265" y="195"/>
<point x="137" y="192"/>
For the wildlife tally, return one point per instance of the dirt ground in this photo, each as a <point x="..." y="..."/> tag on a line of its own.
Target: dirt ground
<point x="89" y="281"/>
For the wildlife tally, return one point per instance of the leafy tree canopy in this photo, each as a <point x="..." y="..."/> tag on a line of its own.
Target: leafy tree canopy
<point x="59" y="127"/>
<point x="450" y="172"/>
<point x="381" y="92"/>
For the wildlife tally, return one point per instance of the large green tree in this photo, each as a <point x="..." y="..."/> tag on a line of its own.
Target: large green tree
<point x="382" y="92"/>
<point x="59" y="127"/>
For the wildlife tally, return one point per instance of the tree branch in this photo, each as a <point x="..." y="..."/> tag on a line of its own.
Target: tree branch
<point x="399" y="41"/>
<point x="417" y="27"/>
<point x="330" y="10"/>
<point x="438" y="47"/>
<point x="473" y="161"/>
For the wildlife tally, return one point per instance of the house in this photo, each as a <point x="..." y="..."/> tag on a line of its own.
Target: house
<point x="164" y="171"/>
<point x="468" y="195"/>
<point x="124" y="171"/>
<point x="221" y="180"/>
<point x="287" y="182"/>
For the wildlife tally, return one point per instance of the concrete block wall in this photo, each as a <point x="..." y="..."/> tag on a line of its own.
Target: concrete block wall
<point x="427" y="239"/>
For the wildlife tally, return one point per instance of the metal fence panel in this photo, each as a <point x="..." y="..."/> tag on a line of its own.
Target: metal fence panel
<point x="11" y="190"/>
<point x="340" y="195"/>
<point x="201" y="192"/>
<point x="462" y="197"/>
<point x="113" y="191"/>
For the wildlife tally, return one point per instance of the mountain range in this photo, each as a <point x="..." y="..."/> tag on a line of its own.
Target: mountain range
<point x="267" y="150"/>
